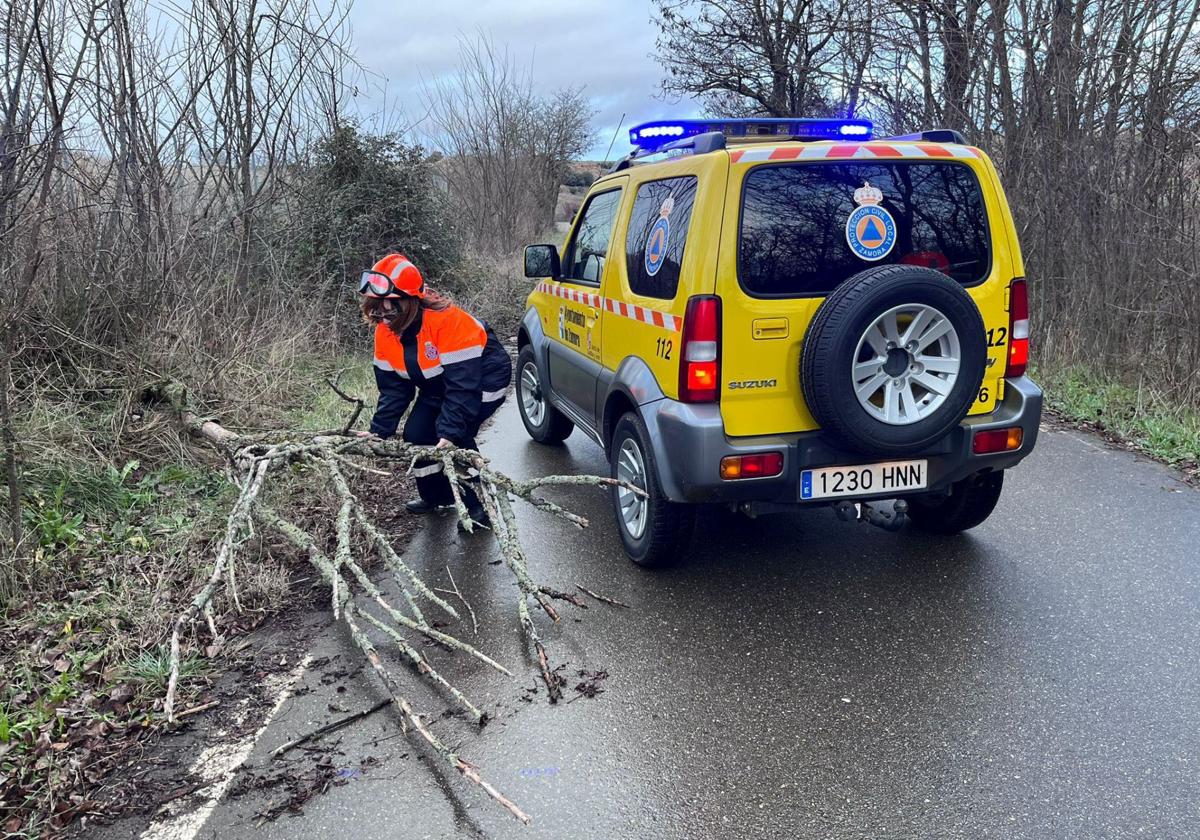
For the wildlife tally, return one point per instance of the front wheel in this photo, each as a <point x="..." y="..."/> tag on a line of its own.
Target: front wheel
<point x="544" y="422"/>
<point x="654" y="530"/>
<point x="968" y="503"/>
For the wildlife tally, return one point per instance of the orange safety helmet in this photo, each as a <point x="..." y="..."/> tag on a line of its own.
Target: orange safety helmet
<point x="394" y="276"/>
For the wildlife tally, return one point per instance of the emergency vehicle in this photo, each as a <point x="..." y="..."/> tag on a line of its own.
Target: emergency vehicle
<point x="772" y="313"/>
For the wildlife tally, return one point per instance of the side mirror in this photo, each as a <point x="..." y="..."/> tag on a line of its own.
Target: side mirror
<point x="542" y="261"/>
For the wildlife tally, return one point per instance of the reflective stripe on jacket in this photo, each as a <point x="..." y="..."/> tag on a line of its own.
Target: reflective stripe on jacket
<point x="452" y="357"/>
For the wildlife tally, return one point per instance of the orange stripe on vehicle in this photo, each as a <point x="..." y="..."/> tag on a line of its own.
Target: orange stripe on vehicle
<point x="842" y="151"/>
<point x="880" y="150"/>
<point x="634" y="312"/>
<point x="784" y="153"/>
<point x="934" y="150"/>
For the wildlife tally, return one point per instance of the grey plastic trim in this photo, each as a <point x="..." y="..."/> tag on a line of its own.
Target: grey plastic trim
<point x="689" y="442"/>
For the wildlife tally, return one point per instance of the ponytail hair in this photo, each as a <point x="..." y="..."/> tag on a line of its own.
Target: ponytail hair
<point x="435" y="300"/>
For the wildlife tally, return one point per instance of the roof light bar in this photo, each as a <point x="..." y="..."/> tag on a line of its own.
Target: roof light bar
<point x="651" y="135"/>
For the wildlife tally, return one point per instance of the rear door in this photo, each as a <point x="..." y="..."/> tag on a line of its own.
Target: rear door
<point x="669" y="252"/>
<point x="644" y="307"/>
<point x="792" y="249"/>
<point x="575" y="331"/>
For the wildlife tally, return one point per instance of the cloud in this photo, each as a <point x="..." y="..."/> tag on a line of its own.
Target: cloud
<point x="607" y="49"/>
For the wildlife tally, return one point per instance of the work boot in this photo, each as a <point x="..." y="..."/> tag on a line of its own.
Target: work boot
<point x="420" y="506"/>
<point x="478" y="516"/>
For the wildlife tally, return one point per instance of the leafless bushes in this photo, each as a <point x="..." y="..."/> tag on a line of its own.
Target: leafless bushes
<point x="142" y="150"/>
<point x="506" y="147"/>
<point x="1091" y="109"/>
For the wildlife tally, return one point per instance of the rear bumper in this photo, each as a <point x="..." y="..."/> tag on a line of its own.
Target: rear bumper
<point x="690" y="442"/>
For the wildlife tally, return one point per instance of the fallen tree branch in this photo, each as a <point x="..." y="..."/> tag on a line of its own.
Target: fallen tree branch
<point x="252" y="459"/>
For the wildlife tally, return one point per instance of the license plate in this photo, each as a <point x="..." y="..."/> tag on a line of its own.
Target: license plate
<point x="866" y="480"/>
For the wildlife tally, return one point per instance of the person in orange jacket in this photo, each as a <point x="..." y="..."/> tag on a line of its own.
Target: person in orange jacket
<point x="449" y="360"/>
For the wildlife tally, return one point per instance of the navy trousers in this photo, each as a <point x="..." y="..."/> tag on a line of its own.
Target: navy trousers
<point x="432" y="483"/>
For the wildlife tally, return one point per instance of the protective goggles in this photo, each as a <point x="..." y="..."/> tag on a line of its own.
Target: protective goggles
<point x="378" y="284"/>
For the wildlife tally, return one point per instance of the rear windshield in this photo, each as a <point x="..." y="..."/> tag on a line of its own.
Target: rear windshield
<point x="798" y="238"/>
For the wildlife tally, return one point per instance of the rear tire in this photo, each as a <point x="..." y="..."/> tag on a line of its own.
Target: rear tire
<point x="545" y="423"/>
<point x="968" y="504"/>
<point x="657" y="536"/>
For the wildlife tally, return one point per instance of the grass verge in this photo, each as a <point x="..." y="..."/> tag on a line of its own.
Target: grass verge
<point x="1137" y="418"/>
<point x="121" y="535"/>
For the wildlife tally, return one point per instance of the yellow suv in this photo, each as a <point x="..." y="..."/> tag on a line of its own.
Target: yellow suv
<point x="772" y="313"/>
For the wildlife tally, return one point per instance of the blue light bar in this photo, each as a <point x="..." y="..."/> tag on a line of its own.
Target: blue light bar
<point x="651" y="135"/>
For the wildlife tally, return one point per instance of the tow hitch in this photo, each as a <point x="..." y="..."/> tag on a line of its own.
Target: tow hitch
<point x="889" y="517"/>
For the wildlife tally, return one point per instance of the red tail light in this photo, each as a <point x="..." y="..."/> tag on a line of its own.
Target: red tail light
<point x="700" y="355"/>
<point x="1018" y="328"/>
<point x="761" y="465"/>
<point x="997" y="440"/>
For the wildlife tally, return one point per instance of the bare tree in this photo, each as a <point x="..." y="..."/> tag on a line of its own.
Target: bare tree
<point x="506" y="147"/>
<point x="1091" y="108"/>
<point x="43" y="73"/>
<point x="768" y="57"/>
<point x="138" y="158"/>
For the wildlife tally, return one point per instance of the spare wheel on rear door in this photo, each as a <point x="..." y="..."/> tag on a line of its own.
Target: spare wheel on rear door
<point x="893" y="359"/>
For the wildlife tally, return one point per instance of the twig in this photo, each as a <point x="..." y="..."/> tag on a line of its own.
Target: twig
<point x="329" y="727"/>
<point x="563" y="596"/>
<point x="474" y="623"/>
<point x="195" y="710"/>
<point x="301" y="540"/>
<point x="592" y="594"/>
<point x="468" y="771"/>
<point x="237" y="518"/>
<point x="489" y="496"/>
<point x="357" y="402"/>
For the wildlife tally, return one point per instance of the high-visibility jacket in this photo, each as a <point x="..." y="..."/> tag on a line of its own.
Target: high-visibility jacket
<point x="452" y="357"/>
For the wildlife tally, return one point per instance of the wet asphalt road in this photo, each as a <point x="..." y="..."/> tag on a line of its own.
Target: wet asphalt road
<point x="801" y="677"/>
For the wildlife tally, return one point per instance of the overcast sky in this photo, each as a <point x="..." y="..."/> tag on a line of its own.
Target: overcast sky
<point x="606" y="47"/>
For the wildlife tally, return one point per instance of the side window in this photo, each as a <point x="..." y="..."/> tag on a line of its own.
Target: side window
<point x="584" y="259"/>
<point x="658" y="230"/>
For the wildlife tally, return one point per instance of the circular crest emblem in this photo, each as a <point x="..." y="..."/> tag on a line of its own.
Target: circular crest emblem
<point x="660" y="235"/>
<point x="870" y="229"/>
<point x="431" y="352"/>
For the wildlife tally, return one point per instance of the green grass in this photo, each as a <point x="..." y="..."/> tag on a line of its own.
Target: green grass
<point x="1139" y="417"/>
<point x="321" y="407"/>
<point x="152" y="668"/>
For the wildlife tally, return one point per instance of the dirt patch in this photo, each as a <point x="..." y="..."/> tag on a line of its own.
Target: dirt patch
<point x="155" y="773"/>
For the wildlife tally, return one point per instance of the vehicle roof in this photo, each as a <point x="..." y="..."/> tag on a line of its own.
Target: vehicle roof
<point x="845" y="150"/>
<point x="769" y="150"/>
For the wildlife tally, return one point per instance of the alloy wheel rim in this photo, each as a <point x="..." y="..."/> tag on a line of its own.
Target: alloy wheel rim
<point x="906" y="364"/>
<point x="532" y="402"/>
<point x="631" y="467"/>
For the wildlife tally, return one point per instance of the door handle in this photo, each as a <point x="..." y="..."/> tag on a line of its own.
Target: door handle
<point x="767" y="328"/>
